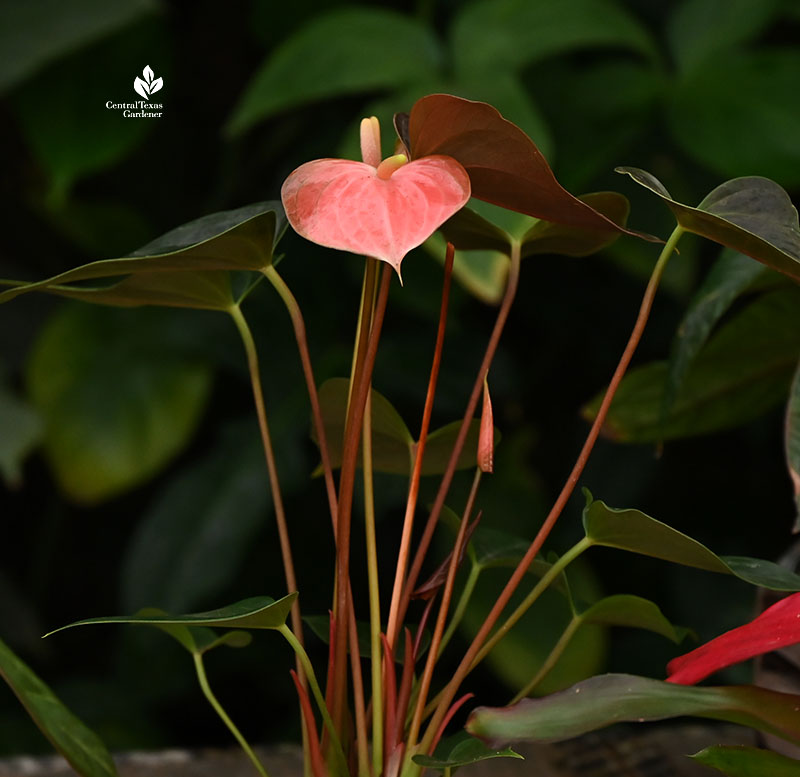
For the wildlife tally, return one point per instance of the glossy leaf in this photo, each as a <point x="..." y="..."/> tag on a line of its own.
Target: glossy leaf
<point x="461" y="750"/>
<point x="729" y="277"/>
<point x="698" y="29"/>
<point x="186" y="548"/>
<point x="329" y="56"/>
<point x="743" y="371"/>
<point x="257" y="612"/>
<point x="22" y="431"/>
<point x="116" y="401"/>
<point x="616" y="698"/>
<point x="777" y="627"/>
<point x="793" y="440"/>
<point x="524" y="32"/>
<point x="740" y="761"/>
<point x="706" y="120"/>
<point x="351" y="206"/>
<point x="81" y="747"/>
<point x="504" y="165"/>
<point x="198" y="639"/>
<point x="241" y="239"/>
<point x="392" y="444"/>
<point x="635" y="532"/>
<point x="752" y="215"/>
<point x="633" y="612"/>
<point x="33" y="35"/>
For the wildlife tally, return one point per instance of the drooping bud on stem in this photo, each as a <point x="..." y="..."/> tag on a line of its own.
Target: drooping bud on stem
<point x="371" y="141"/>
<point x="486" y="436"/>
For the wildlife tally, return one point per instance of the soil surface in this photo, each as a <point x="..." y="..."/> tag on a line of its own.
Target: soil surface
<point x="619" y="752"/>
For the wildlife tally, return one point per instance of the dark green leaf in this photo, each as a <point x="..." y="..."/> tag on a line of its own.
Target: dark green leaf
<point x="633" y="531"/>
<point x="523" y="32"/>
<point x="743" y="371"/>
<point x="615" y="698"/>
<point x="634" y="612"/>
<point x="707" y="120"/>
<point x="740" y="761"/>
<point x="257" y="612"/>
<point x="116" y="401"/>
<point x="752" y="215"/>
<point x="241" y="239"/>
<point x="22" y="432"/>
<point x="461" y="750"/>
<point x="198" y="639"/>
<point x="80" y="746"/>
<point x="793" y="440"/>
<point x="469" y="231"/>
<point x="329" y="56"/>
<point x="392" y="444"/>
<point x="698" y="29"/>
<point x="188" y="545"/>
<point x="69" y="138"/>
<point x="32" y="34"/>
<point x="729" y="277"/>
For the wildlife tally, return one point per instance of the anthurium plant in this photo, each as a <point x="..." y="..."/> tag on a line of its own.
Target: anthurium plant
<point x="381" y="705"/>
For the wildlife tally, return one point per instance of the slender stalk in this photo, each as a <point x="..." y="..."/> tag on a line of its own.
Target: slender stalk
<point x="304" y="660"/>
<point x="362" y="747"/>
<point x="438" y="631"/>
<point x="413" y="489"/>
<point x="346" y="489"/>
<point x="212" y="700"/>
<point x="477" y="389"/>
<point x="461" y="606"/>
<point x="552" y="658"/>
<point x="374" y="595"/>
<point x="511" y="586"/>
<point x="269" y="454"/>
<point x="296" y="315"/>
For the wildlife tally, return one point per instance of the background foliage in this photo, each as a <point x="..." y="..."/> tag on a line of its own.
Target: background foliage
<point x="129" y="450"/>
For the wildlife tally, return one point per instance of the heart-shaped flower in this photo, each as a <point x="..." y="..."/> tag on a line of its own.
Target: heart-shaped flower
<point x="382" y="210"/>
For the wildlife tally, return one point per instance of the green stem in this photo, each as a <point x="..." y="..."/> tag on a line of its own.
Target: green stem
<point x="269" y="454"/>
<point x="212" y="700"/>
<point x="461" y="606"/>
<point x="374" y="595"/>
<point x="464" y="667"/>
<point x="296" y="315"/>
<point x="302" y="657"/>
<point x="552" y="658"/>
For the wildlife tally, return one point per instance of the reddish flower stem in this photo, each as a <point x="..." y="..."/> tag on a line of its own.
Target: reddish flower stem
<point x="346" y="488"/>
<point x="395" y="616"/>
<point x="472" y="404"/>
<point x="466" y="662"/>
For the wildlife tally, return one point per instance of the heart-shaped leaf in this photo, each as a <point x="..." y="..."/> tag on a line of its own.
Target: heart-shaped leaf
<point x="393" y="447"/>
<point x="461" y="750"/>
<point x="729" y="277"/>
<point x="633" y="612"/>
<point x="740" y="761"/>
<point x="744" y="370"/>
<point x="241" y="239"/>
<point x="636" y="532"/>
<point x="347" y="205"/>
<point x="793" y="440"/>
<point x="752" y="215"/>
<point x="504" y="165"/>
<point x="81" y="747"/>
<point x="777" y="627"/>
<point x="257" y="612"/>
<point x="615" y="698"/>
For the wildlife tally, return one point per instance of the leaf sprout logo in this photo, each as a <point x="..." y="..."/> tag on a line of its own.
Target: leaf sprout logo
<point x="149" y="85"/>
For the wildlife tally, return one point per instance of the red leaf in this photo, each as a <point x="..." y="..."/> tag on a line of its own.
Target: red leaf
<point x="776" y="627"/>
<point x="503" y="163"/>
<point x="351" y="206"/>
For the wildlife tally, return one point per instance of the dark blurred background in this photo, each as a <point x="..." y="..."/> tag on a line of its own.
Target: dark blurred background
<point x="696" y="92"/>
